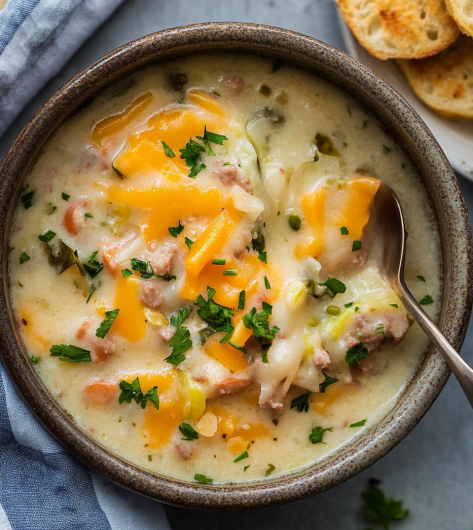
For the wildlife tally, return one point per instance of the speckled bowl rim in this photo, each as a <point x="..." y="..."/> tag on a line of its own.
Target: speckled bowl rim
<point x="404" y="125"/>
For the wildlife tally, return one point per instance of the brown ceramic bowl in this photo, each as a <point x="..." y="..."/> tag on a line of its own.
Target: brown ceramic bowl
<point x="405" y="127"/>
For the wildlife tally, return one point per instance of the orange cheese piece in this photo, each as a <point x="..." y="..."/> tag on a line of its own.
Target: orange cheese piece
<point x="118" y="122"/>
<point x="130" y="321"/>
<point x="322" y="402"/>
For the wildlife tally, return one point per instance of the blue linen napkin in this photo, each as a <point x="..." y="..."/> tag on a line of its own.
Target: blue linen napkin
<point x="37" y="38"/>
<point x="42" y="487"/>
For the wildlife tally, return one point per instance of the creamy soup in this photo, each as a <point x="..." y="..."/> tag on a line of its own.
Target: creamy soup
<point x="191" y="278"/>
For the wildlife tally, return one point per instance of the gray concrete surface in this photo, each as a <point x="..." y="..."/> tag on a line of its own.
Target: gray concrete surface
<point x="432" y="469"/>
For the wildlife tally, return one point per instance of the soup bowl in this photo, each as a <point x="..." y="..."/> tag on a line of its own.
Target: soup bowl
<point x="405" y="127"/>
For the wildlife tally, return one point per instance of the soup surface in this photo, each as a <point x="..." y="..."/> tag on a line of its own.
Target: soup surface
<point x="190" y="274"/>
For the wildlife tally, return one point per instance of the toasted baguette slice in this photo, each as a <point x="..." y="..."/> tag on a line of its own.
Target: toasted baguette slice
<point x="400" y="29"/>
<point x="462" y="12"/>
<point x="445" y="82"/>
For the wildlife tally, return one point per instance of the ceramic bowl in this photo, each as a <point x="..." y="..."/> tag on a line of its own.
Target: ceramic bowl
<point x="405" y="127"/>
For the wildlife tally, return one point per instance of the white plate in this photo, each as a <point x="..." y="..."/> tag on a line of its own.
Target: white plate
<point x="455" y="137"/>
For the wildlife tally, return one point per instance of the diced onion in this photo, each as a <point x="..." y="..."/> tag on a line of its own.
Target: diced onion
<point x="296" y="295"/>
<point x="247" y="203"/>
<point x="156" y="318"/>
<point x="207" y="425"/>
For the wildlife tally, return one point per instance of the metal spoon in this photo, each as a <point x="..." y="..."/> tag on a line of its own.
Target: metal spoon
<point x="387" y="225"/>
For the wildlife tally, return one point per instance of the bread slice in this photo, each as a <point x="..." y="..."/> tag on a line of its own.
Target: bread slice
<point x="400" y="29"/>
<point x="445" y="82"/>
<point x="462" y="12"/>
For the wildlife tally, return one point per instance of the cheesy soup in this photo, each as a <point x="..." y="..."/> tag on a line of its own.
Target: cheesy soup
<point x="191" y="277"/>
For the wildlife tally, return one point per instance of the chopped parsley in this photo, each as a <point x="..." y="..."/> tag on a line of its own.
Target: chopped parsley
<point x="65" y="196"/>
<point x="189" y="242"/>
<point x="344" y="231"/>
<point x="270" y="469"/>
<point x="217" y="316"/>
<point x="203" y="479"/>
<point x="106" y="324"/>
<point x="348" y="305"/>
<point x="27" y="200"/>
<point x="47" y="236"/>
<point x="93" y="267"/>
<point x="333" y="286"/>
<point x="88" y="215"/>
<point x="230" y="272"/>
<point x="241" y="301"/>
<point x="240" y="348"/>
<point x="92" y="290"/>
<point x="266" y="283"/>
<point x="394" y="305"/>
<point x="126" y="273"/>
<point x="24" y="257"/>
<point x="328" y="381"/>
<point x="35" y="359"/>
<point x="262" y="256"/>
<point x="218" y="261"/>
<point x="379" y="329"/>
<point x="142" y="268"/>
<point x="301" y="403"/>
<point x="70" y="353"/>
<point x="356" y="354"/>
<point x="226" y="164"/>
<point x="264" y="357"/>
<point x="192" y="151"/>
<point x="181" y="341"/>
<point x="421" y="278"/>
<point x="356" y="246"/>
<point x="358" y="423"/>
<point x="382" y="509"/>
<point x="189" y="432"/>
<point x="425" y="301"/>
<point x="176" y="230"/>
<point x="357" y="308"/>
<point x="317" y="434"/>
<point x="258" y="322"/>
<point x="167" y="150"/>
<point x="241" y="457"/>
<point x="246" y="467"/>
<point x="386" y="150"/>
<point x="133" y="390"/>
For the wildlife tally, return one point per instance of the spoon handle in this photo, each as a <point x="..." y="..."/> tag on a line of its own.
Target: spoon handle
<point x="462" y="371"/>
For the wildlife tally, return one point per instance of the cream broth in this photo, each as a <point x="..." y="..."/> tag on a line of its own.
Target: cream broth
<point x="277" y="190"/>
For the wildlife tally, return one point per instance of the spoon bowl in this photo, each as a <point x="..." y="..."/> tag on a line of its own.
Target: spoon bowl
<point x="387" y="222"/>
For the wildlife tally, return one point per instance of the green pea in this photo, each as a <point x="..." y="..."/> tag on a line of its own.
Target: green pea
<point x="333" y="310"/>
<point x="294" y="222"/>
<point x="313" y="322"/>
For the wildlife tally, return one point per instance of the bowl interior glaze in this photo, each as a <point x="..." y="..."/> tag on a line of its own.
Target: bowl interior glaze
<point x="404" y="126"/>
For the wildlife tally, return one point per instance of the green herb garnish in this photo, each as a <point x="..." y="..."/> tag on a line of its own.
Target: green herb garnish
<point x="176" y="230"/>
<point x="217" y="316"/>
<point x="386" y="150"/>
<point x="358" y="423"/>
<point x="333" y="286"/>
<point x="91" y="292"/>
<point x="258" y="322"/>
<point x="425" y="301"/>
<point x="230" y="272"/>
<point x="181" y="341"/>
<point x="167" y="150"/>
<point x="348" y="305"/>
<point x="236" y="346"/>
<point x="189" y="242"/>
<point x="266" y="283"/>
<point x="241" y="457"/>
<point x="106" y="324"/>
<point x="241" y="301"/>
<point x="270" y="469"/>
<point x="328" y="381"/>
<point x="382" y="509"/>
<point x="379" y="329"/>
<point x="35" y="359"/>
<point x="356" y="246"/>
<point x="356" y="354"/>
<point x="203" y="479"/>
<point x="421" y="278"/>
<point x="344" y="231"/>
<point x="70" y="353"/>
<point x="219" y="261"/>
<point x="301" y="403"/>
<point x="92" y="267"/>
<point x="24" y="257"/>
<point x="47" y="236"/>
<point x="394" y="305"/>
<point x="262" y="257"/>
<point x="317" y="434"/>
<point x="65" y="197"/>
<point x="133" y="390"/>
<point x="126" y="273"/>
<point x="27" y="200"/>
<point x="88" y="215"/>
<point x="189" y="432"/>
